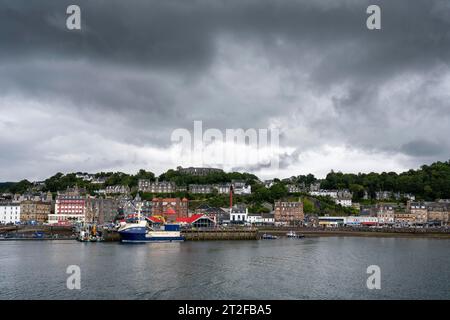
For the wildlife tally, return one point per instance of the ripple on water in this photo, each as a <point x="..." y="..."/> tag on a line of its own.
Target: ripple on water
<point x="311" y="268"/>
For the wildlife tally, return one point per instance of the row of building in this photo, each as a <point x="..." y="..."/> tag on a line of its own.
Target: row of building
<point x="71" y="206"/>
<point x="283" y="213"/>
<point x="341" y="197"/>
<point x="344" y="197"/>
<point x="414" y="213"/>
<point x="238" y="187"/>
<point x="393" y="214"/>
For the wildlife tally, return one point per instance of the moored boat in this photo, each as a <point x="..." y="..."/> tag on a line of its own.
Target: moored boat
<point x="266" y="236"/>
<point x="140" y="231"/>
<point x="293" y="234"/>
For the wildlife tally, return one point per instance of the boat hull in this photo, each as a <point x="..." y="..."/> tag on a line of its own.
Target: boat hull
<point x="141" y="235"/>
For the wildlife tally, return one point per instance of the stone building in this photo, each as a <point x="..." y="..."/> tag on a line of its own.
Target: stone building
<point x="289" y="213"/>
<point x="293" y="188"/>
<point x="200" y="188"/>
<point x="386" y="213"/>
<point x="403" y="217"/>
<point x="195" y="171"/>
<point x="169" y="206"/>
<point x="438" y="213"/>
<point x="33" y="196"/>
<point x="100" y="210"/>
<point x="145" y="185"/>
<point x="419" y="211"/>
<point x="35" y="211"/>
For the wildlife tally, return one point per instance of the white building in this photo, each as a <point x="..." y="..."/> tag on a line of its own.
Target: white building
<point x="342" y="197"/>
<point x="268" y="218"/>
<point x="360" y="220"/>
<point x="84" y="176"/>
<point x="117" y="189"/>
<point x="243" y="190"/>
<point x="238" y="214"/>
<point x="292" y="188"/>
<point x="331" y="221"/>
<point x="325" y="193"/>
<point x="9" y="213"/>
<point x="348" y="221"/>
<point x="239" y="187"/>
<point x="99" y="180"/>
<point x="254" y="218"/>
<point x="146" y="185"/>
<point x="315" y="186"/>
<point x="345" y="202"/>
<point x="261" y="218"/>
<point x="268" y="183"/>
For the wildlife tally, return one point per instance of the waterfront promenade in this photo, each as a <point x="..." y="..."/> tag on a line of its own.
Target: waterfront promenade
<point x="361" y="232"/>
<point x="44" y="232"/>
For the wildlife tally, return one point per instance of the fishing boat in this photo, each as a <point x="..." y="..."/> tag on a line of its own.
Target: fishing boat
<point x="293" y="234"/>
<point x="88" y="233"/>
<point x="151" y="229"/>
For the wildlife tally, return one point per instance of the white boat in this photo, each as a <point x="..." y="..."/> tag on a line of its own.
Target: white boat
<point x="293" y="234"/>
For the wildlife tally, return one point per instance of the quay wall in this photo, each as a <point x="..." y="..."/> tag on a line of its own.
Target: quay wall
<point x="359" y="232"/>
<point x="29" y="232"/>
<point x="220" y="234"/>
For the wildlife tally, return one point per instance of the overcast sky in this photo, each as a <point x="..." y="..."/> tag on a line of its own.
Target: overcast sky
<point x="108" y="97"/>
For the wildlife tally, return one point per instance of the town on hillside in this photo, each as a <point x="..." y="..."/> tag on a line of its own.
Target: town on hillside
<point x="210" y="197"/>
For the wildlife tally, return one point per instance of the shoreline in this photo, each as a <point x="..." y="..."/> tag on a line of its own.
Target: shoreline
<point x="233" y="235"/>
<point x="376" y="234"/>
<point x="31" y="239"/>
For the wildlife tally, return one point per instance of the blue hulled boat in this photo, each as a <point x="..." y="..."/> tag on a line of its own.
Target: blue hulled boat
<point x="141" y="231"/>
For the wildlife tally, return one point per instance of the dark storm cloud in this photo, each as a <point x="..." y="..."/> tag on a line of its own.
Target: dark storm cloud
<point x="139" y="69"/>
<point x="422" y="148"/>
<point x="180" y="35"/>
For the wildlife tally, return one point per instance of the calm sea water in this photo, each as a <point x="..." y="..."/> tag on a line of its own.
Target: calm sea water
<point x="313" y="268"/>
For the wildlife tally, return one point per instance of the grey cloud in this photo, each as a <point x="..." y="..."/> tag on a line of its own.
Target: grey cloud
<point x="139" y="69"/>
<point x="422" y="148"/>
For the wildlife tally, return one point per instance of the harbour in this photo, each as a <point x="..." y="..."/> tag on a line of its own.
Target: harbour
<point x="232" y="233"/>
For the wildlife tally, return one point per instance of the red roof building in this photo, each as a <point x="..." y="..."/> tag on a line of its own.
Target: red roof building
<point x="197" y="221"/>
<point x="154" y="219"/>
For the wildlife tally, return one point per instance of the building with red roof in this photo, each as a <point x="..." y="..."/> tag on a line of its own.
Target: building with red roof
<point x="154" y="220"/>
<point x="197" y="221"/>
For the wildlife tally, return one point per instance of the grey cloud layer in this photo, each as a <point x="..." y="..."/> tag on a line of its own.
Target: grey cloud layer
<point x="139" y="69"/>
